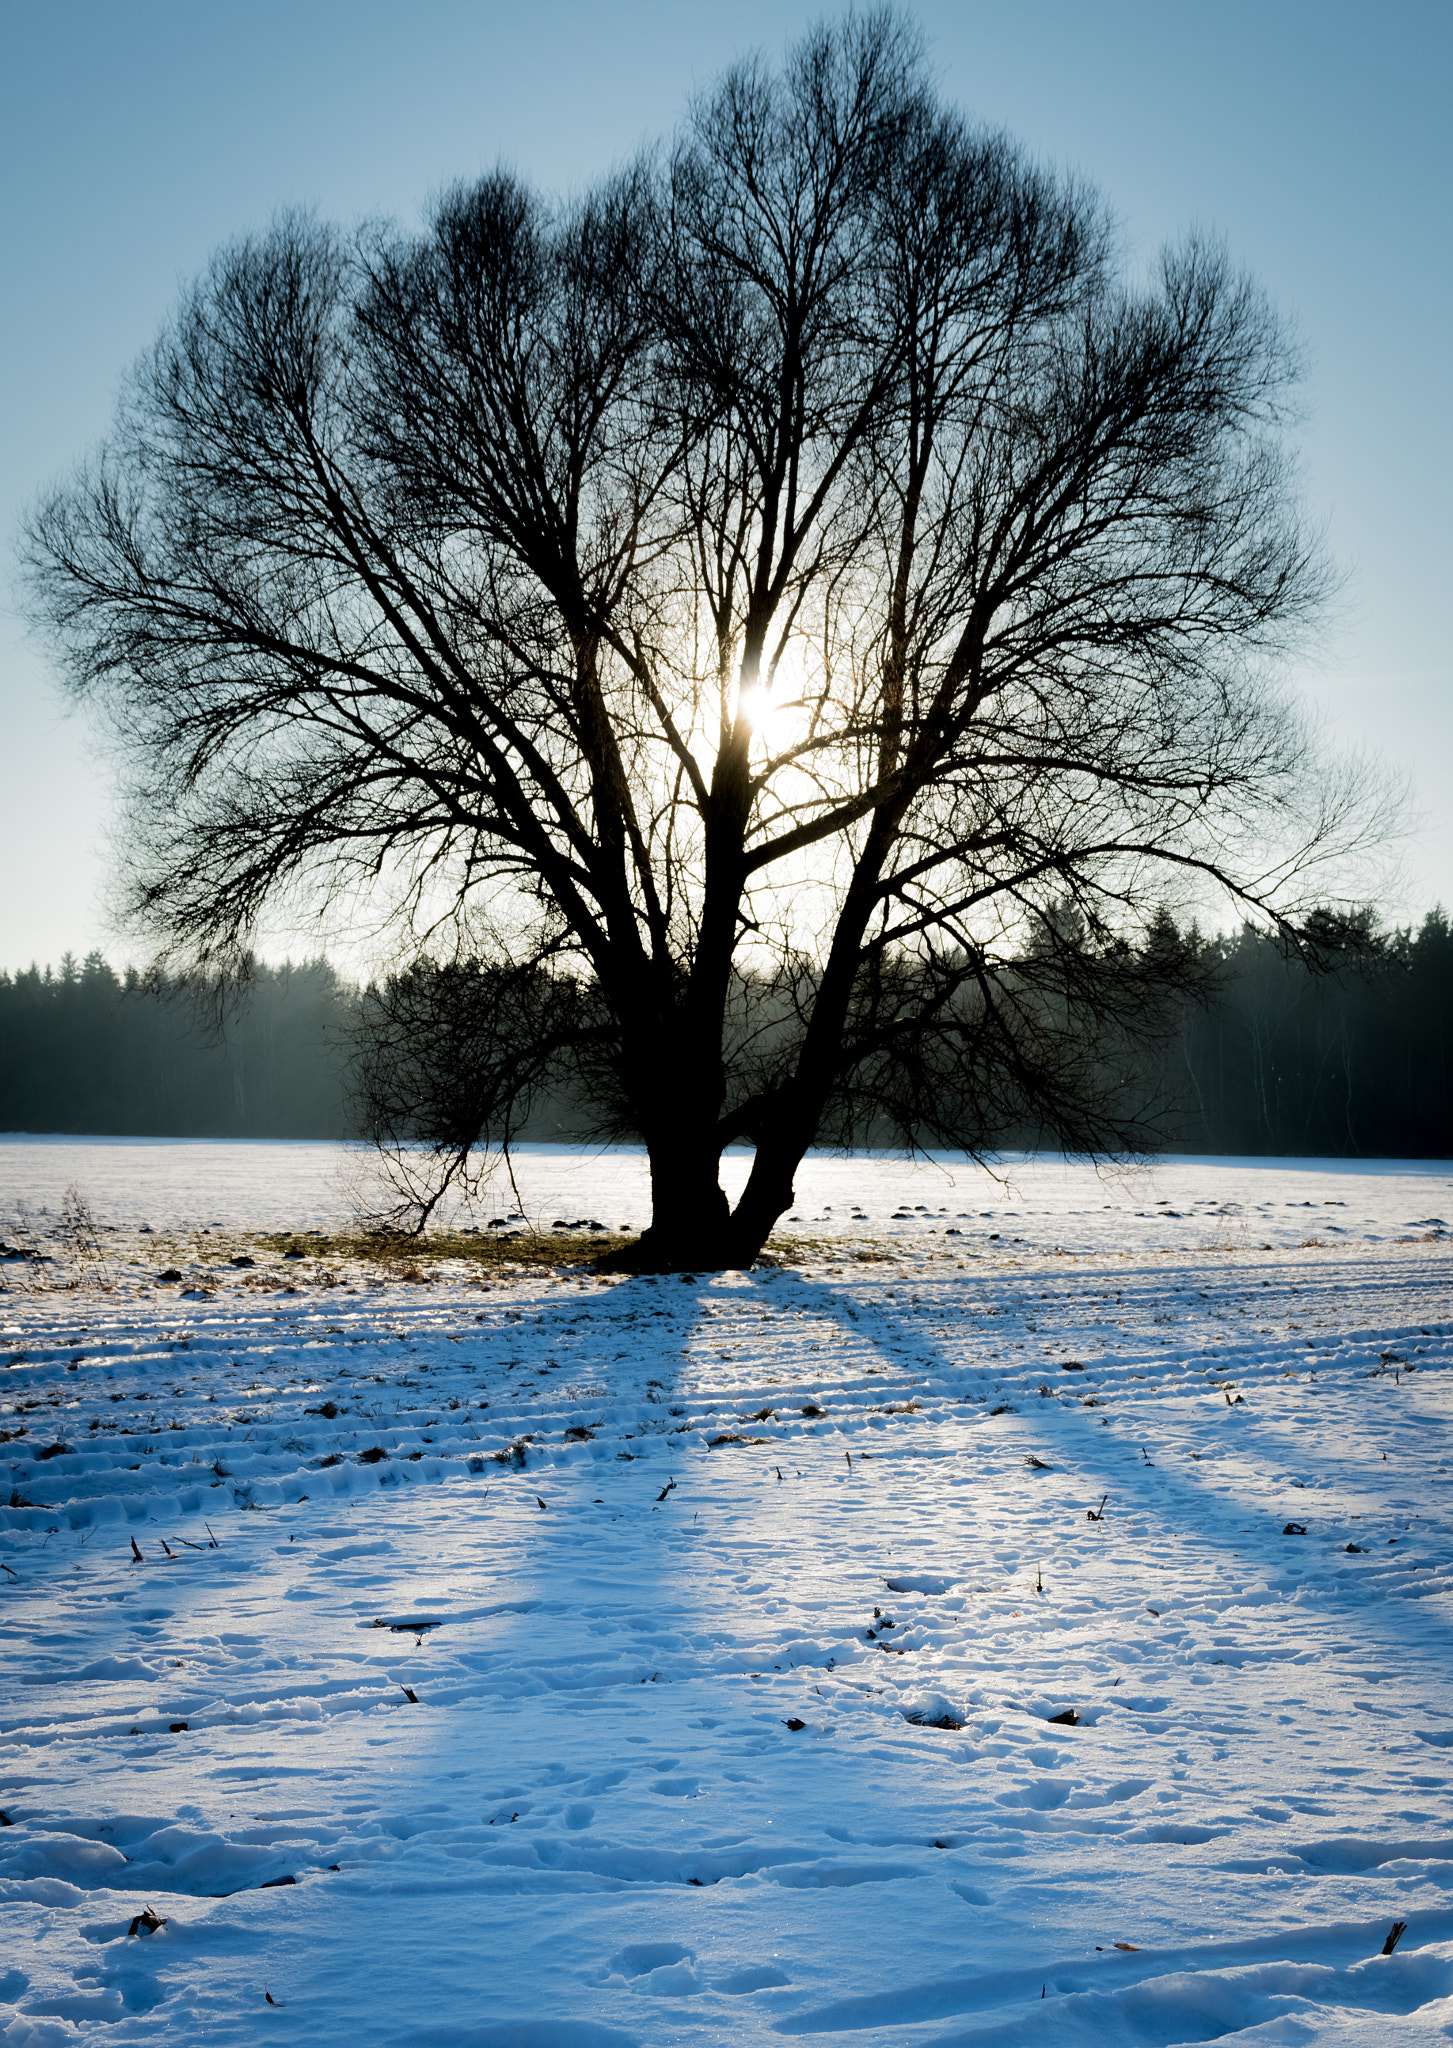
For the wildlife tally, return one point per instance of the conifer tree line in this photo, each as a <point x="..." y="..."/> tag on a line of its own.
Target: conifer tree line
<point x="83" y="1049"/>
<point x="1275" y="1058"/>
<point x="1353" y="1062"/>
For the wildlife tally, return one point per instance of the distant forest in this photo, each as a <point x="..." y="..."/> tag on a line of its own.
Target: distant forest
<point x="88" y="1050"/>
<point x="1351" y="1062"/>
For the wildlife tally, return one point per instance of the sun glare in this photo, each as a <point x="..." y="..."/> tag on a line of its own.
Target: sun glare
<point x="771" y="708"/>
<point x="755" y="706"/>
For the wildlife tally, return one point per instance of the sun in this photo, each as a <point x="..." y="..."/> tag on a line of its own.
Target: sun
<point x="771" y="708"/>
<point x="754" y="704"/>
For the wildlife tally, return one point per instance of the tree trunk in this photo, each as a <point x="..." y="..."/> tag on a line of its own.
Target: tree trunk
<point x="768" y="1194"/>
<point x="690" y="1217"/>
<point x="689" y="1212"/>
<point x="693" y="1228"/>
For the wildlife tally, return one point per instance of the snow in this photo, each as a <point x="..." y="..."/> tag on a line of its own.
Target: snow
<point x="1188" y="1202"/>
<point x="593" y="1823"/>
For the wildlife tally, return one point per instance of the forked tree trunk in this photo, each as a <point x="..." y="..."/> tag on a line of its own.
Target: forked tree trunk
<point x="692" y="1224"/>
<point x="693" y="1227"/>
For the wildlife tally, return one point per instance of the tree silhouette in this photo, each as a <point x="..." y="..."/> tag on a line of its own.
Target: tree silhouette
<point x="801" y="595"/>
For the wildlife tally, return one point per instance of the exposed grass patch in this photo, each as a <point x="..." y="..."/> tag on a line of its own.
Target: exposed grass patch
<point x="409" y="1258"/>
<point x="412" y="1257"/>
<point x="267" y="1259"/>
<point x="800" y="1250"/>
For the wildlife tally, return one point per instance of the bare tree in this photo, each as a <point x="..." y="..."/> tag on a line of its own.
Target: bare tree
<point x="801" y="594"/>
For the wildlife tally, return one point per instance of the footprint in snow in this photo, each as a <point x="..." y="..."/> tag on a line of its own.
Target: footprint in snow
<point x="659" y="1969"/>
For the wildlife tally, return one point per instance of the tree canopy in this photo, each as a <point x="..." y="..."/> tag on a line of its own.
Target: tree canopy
<point x="793" y="611"/>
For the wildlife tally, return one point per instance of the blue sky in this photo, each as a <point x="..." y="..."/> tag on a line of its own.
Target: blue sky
<point x="1317" y="138"/>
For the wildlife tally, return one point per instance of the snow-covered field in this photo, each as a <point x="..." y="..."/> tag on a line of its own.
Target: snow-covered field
<point x="679" y="1661"/>
<point x="1182" y="1203"/>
